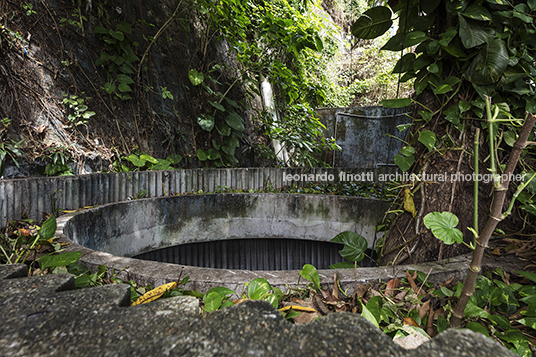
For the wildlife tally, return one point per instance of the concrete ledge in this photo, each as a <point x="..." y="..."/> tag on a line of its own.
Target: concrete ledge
<point x="38" y="321"/>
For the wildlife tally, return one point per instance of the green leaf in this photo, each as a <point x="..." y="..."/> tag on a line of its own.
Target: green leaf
<point x="123" y="87"/>
<point x="426" y="115"/>
<point x="174" y="158"/>
<point x="395" y="43"/>
<point x="528" y="275"/>
<point x="310" y="273"/>
<point x="235" y="121"/>
<point x="489" y="65"/>
<point x="109" y="87"/>
<point x="355" y="245"/>
<point x="63" y="259"/>
<point x="224" y="130"/>
<point x="342" y="265"/>
<point x="124" y="27"/>
<point x="48" y="228"/>
<point x="149" y="158"/>
<point x="369" y="316"/>
<point x="500" y="321"/>
<point x="430" y="5"/>
<point x="442" y="324"/>
<point x="118" y="35"/>
<point x="404" y="162"/>
<point x="447" y="36"/>
<point x="161" y="165"/>
<point x="428" y="139"/>
<point x="212" y="301"/>
<point x="373" y="23"/>
<point x="405" y="63"/>
<point x="443" y="227"/>
<point x="223" y="291"/>
<point x="529" y="322"/>
<point x="442" y="89"/>
<point x="136" y="161"/>
<point x="396" y="103"/>
<point x="196" y="77"/>
<point x="101" y="30"/>
<point x="474" y="33"/>
<point x="476" y="327"/>
<point x="123" y="78"/>
<point x="202" y="155"/>
<point x="509" y="138"/>
<point x="407" y="150"/>
<point x="258" y="288"/>
<point x="402" y="127"/>
<point x="213" y="154"/>
<point x="206" y="122"/>
<point x="413" y="38"/>
<point x="477" y="12"/>
<point x="217" y="106"/>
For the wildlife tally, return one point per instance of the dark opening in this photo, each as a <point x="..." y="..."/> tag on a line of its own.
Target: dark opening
<point x="252" y="254"/>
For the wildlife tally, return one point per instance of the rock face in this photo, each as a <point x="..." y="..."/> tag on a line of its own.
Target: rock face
<point x="45" y="316"/>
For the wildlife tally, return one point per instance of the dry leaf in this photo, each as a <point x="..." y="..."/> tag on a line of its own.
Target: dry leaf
<point x="392" y="286"/>
<point x="423" y="310"/>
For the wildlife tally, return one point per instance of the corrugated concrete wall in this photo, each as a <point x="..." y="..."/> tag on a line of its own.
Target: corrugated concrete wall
<point x="31" y="198"/>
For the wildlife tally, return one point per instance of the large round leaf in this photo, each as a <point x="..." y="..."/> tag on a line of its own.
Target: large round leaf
<point x="443" y="226"/>
<point x="489" y="65"/>
<point x="206" y="122"/>
<point x="473" y="33"/>
<point x="196" y="77"/>
<point x="258" y="289"/>
<point x="354" y="245"/>
<point x="373" y="23"/>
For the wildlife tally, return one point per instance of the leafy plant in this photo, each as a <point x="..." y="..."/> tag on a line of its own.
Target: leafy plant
<point x="118" y="58"/>
<point x="8" y="147"/>
<point x="141" y="162"/>
<point x="59" y="157"/>
<point x="17" y="249"/>
<point x="79" y="111"/>
<point x="76" y="19"/>
<point x="29" y="8"/>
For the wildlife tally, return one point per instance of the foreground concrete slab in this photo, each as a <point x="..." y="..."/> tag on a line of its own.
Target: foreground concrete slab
<point x="44" y="316"/>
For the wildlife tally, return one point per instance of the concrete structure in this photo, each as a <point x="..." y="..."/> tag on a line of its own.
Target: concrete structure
<point x="363" y="134"/>
<point x="45" y="316"/>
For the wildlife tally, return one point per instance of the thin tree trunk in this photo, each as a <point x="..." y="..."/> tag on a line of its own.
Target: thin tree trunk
<point x="499" y="195"/>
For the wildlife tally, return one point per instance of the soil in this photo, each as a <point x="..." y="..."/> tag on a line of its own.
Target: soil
<point x="50" y="53"/>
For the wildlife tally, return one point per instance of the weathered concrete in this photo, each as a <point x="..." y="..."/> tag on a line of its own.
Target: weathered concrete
<point x="361" y="134"/>
<point x="134" y="227"/>
<point x="33" y="197"/>
<point x="43" y="316"/>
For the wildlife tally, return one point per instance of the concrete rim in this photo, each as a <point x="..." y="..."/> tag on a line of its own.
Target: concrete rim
<point x="202" y="279"/>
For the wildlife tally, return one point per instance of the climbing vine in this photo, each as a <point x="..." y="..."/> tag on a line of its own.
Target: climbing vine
<point x="271" y="40"/>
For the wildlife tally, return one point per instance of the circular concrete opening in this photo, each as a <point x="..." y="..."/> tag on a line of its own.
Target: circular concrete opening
<point x="250" y="254"/>
<point x="199" y="233"/>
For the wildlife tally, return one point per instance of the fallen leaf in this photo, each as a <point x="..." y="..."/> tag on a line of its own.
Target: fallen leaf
<point x="409" y="205"/>
<point x="392" y="286"/>
<point x="410" y="321"/>
<point x="423" y="310"/>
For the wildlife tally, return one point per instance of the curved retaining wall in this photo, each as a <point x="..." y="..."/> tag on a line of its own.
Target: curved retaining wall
<point x="31" y="198"/>
<point x="82" y="225"/>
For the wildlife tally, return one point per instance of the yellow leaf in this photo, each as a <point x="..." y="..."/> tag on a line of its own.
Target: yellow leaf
<point x="409" y="205"/>
<point x="69" y="210"/>
<point x="297" y="308"/>
<point x="154" y="294"/>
